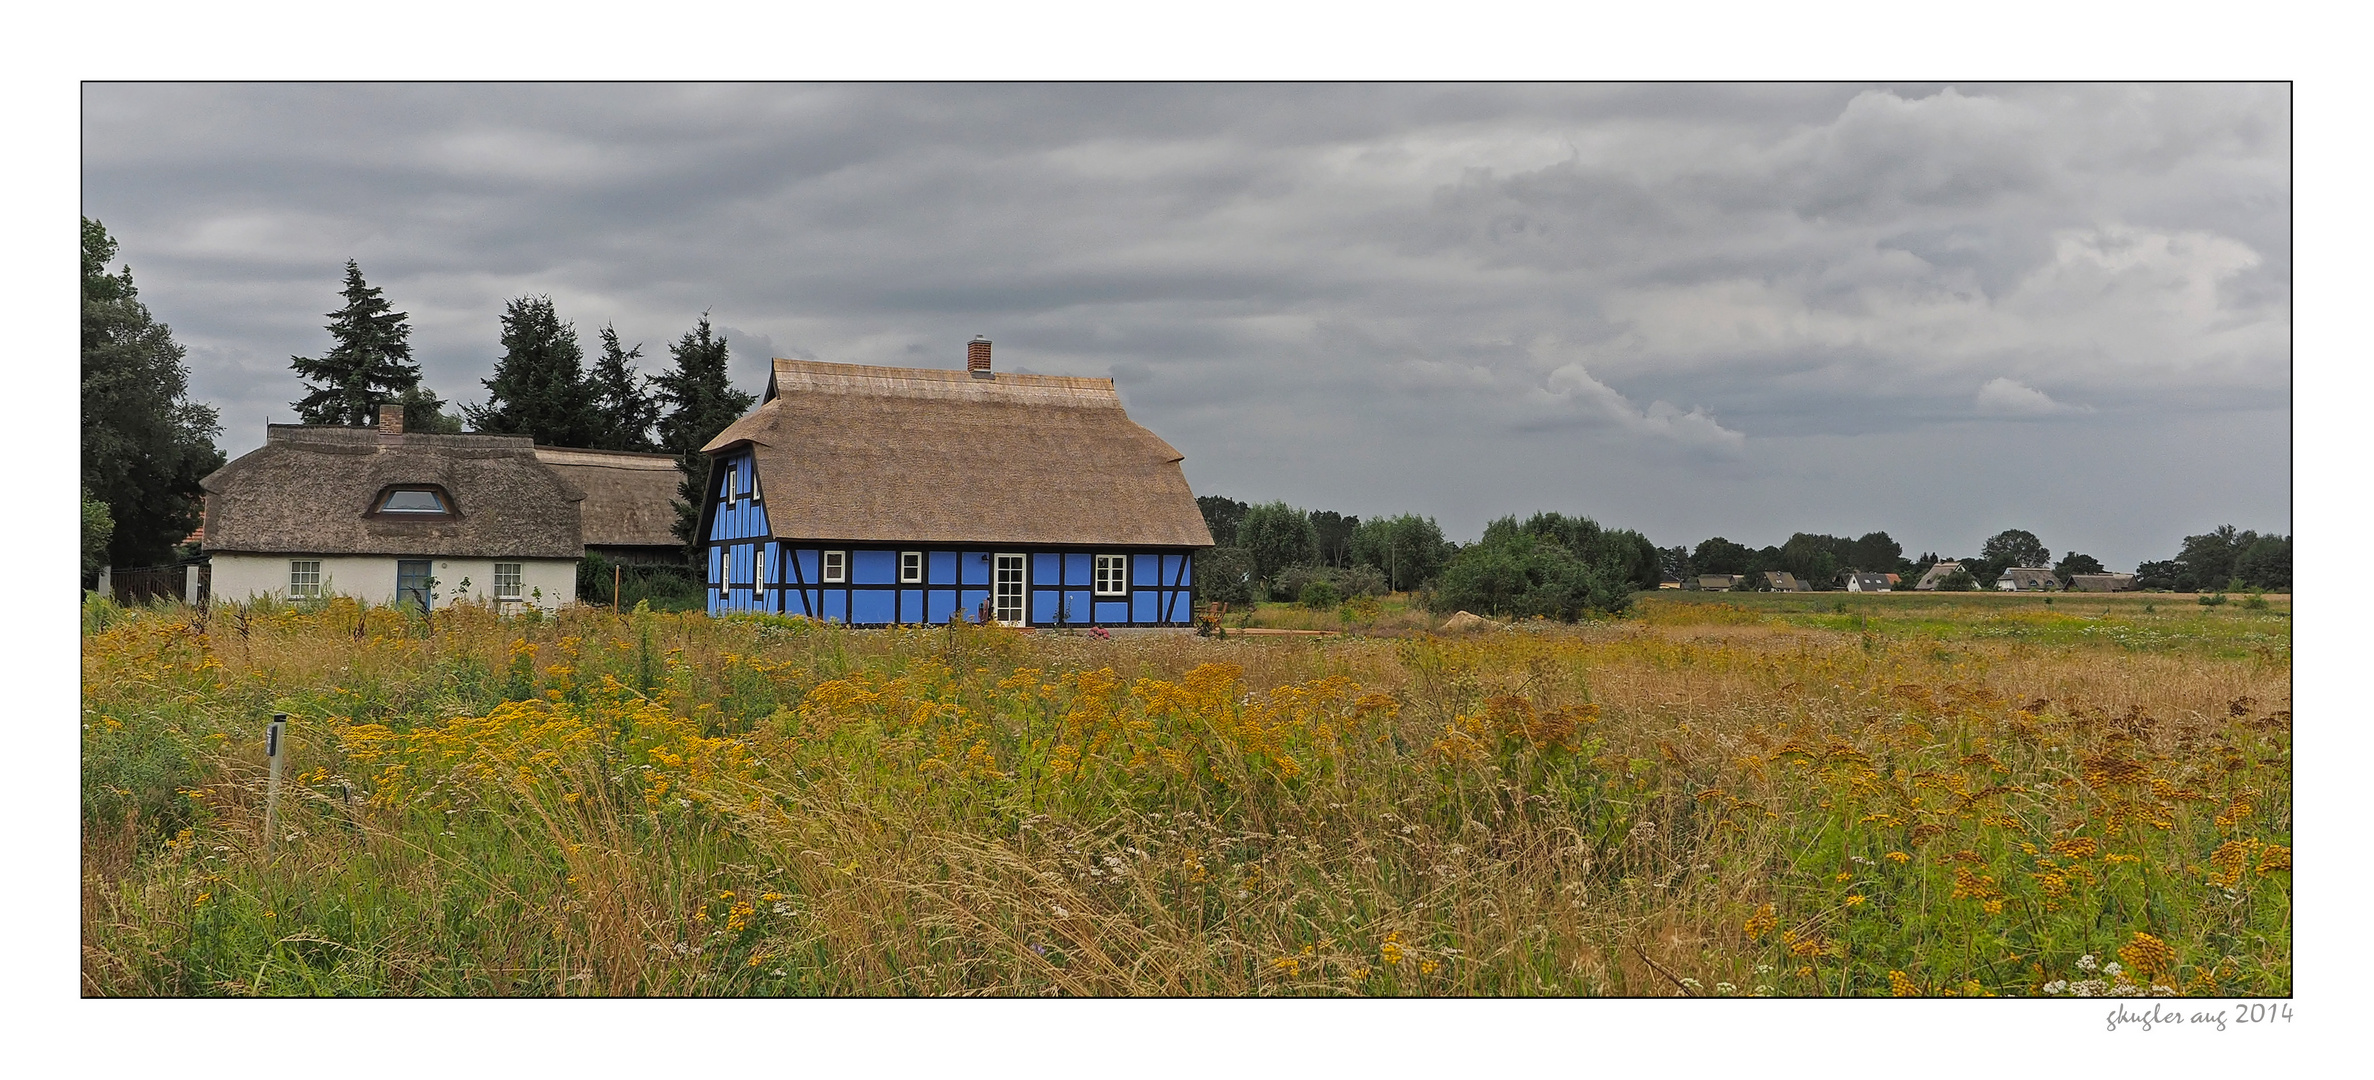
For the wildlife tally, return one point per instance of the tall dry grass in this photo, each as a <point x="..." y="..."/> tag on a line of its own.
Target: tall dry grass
<point x="1707" y="799"/>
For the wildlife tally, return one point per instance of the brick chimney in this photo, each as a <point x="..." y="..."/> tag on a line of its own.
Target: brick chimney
<point x="976" y="358"/>
<point x="391" y="419"/>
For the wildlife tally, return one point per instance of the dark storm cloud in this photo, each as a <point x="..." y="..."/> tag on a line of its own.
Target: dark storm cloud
<point x="1688" y="309"/>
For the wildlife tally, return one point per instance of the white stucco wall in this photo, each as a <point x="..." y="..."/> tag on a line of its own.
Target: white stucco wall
<point x="372" y="578"/>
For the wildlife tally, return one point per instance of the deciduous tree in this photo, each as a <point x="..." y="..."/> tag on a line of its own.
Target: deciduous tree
<point x="2073" y="564"/>
<point x="1335" y="536"/>
<point x="2009" y="548"/>
<point x="1716" y="555"/>
<point x="1410" y="549"/>
<point x="1277" y="536"/>
<point x="144" y="443"/>
<point x="1221" y="515"/>
<point x="1517" y="570"/>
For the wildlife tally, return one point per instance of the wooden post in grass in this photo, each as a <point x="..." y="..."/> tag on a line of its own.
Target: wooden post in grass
<point x="615" y="570"/>
<point x="272" y="790"/>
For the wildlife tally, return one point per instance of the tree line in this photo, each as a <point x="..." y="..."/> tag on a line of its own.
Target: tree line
<point x="145" y="445"/>
<point x="1549" y="564"/>
<point x="1565" y="567"/>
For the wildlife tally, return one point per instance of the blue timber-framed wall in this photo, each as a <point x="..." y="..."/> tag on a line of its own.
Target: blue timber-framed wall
<point x="1059" y="579"/>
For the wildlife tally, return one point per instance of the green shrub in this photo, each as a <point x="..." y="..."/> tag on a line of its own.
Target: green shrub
<point x="1321" y="596"/>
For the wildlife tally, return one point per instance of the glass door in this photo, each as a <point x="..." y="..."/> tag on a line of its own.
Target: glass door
<point x="412" y="582"/>
<point x="1008" y="597"/>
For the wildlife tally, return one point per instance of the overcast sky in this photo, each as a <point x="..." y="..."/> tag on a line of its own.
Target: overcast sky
<point x="1743" y="310"/>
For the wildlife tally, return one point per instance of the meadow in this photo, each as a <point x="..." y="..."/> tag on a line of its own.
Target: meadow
<point x="1715" y="795"/>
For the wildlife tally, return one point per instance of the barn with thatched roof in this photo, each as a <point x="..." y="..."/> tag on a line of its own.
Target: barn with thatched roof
<point x="389" y="516"/>
<point x="629" y="512"/>
<point x="882" y="495"/>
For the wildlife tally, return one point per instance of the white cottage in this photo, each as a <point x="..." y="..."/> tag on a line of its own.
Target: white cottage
<point x="386" y="517"/>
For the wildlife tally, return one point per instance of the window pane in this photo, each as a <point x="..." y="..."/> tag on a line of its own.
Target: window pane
<point x="508" y="581"/>
<point x="412" y="502"/>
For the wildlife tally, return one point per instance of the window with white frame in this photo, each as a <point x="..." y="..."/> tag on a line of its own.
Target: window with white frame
<point x="836" y="566"/>
<point x="910" y="567"/>
<point x="305" y="577"/>
<point x="758" y="572"/>
<point x="1112" y="575"/>
<point x="510" y="583"/>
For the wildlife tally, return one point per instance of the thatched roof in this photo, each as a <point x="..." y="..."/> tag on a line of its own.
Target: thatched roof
<point x="1937" y="572"/>
<point x="630" y="498"/>
<point x="310" y="490"/>
<point x="913" y="455"/>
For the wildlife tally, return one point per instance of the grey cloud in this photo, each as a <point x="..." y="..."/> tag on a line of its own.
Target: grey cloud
<point x="1461" y="299"/>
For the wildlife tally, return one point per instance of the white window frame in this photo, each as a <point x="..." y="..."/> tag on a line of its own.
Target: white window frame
<point x="298" y="585"/>
<point x="518" y="583"/>
<point x="758" y="566"/>
<point x="1120" y="569"/>
<point x="833" y="568"/>
<point x="910" y="568"/>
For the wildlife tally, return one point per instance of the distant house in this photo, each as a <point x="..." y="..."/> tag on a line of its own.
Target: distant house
<point x="1717" y="582"/>
<point x="1935" y="574"/>
<point x="882" y="495"/>
<point x="1857" y="581"/>
<point x="2028" y="579"/>
<point x="1784" y="581"/>
<point x="2102" y="582"/>
<point x="629" y="512"/>
<point x="391" y="517"/>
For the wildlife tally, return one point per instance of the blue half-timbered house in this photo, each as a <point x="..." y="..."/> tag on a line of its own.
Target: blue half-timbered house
<point x="880" y="495"/>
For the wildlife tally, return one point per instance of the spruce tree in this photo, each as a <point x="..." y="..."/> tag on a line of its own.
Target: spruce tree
<point x="701" y="401"/>
<point x="625" y="405"/>
<point x="144" y="443"/>
<point x="539" y="388"/>
<point x="370" y="362"/>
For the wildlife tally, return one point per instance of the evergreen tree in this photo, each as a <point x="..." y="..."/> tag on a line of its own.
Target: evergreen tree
<point x="369" y="362"/>
<point x="701" y="401"/>
<point x="144" y="443"/>
<point x="625" y="405"/>
<point x="539" y="388"/>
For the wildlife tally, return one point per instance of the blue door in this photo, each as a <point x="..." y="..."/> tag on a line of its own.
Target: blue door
<point x="412" y="583"/>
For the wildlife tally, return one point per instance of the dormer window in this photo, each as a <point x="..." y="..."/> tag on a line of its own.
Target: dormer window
<point x="414" y="501"/>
